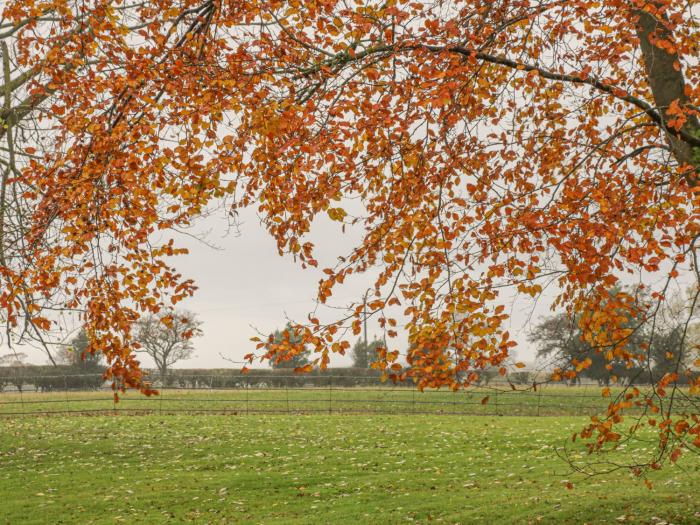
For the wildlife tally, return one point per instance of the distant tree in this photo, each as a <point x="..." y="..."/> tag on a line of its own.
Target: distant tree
<point x="559" y="338"/>
<point x="289" y="339"/>
<point x="676" y="336"/>
<point x="364" y="354"/>
<point x="671" y="351"/>
<point x="14" y="372"/>
<point x="562" y="339"/>
<point x="487" y="375"/>
<point x="76" y="354"/>
<point x="13" y="359"/>
<point x="520" y="378"/>
<point x="167" y="338"/>
<point x="693" y="336"/>
<point x="666" y="353"/>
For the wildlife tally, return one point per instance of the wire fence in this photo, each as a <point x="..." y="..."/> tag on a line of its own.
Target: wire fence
<point x="294" y="394"/>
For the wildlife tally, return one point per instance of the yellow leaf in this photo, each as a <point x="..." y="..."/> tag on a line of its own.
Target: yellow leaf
<point x="337" y="214"/>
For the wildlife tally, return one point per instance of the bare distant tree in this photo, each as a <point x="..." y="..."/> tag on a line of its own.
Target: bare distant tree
<point x="13" y="359"/>
<point x="14" y="372"/>
<point x="167" y="338"/>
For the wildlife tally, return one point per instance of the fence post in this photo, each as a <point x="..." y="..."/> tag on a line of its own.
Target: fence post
<point x="330" y="394"/>
<point x="21" y="398"/>
<point x="539" y="399"/>
<point x="286" y="391"/>
<point x="65" y="391"/>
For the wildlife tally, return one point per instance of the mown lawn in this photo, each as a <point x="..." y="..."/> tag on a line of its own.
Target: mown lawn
<point x="319" y="469"/>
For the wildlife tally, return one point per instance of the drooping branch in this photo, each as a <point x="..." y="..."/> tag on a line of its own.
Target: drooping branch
<point x="685" y="134"/>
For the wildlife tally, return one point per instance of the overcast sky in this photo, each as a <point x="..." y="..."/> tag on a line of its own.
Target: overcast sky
<point x="246" y="287"/>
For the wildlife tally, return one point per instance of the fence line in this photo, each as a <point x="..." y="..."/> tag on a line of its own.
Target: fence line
<point x="294" y="394"/>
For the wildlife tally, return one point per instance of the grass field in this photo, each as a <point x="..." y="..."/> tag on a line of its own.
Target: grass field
<point x="317" y="469"/>
<point x="371" y="455"/>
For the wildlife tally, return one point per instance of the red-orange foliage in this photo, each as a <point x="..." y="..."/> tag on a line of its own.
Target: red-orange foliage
<point x="492" y="144"/>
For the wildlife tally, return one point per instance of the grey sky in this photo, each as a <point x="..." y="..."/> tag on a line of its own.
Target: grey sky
<point x="246" y="287"/>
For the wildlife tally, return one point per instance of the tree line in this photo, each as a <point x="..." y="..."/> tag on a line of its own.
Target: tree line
<point x="560" y="342"/>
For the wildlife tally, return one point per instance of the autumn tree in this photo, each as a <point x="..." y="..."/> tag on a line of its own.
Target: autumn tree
<point x="167" y="338"/>
<point x="104" y="143"/>
<point x="493" y="145"/>
<point x="486" y="146"/>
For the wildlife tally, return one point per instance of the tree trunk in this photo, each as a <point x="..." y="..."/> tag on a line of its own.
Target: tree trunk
<point x="667" y="83"/>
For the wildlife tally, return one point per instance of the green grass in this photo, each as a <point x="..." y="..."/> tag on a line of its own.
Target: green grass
<point x="319" y="469"/>
<point x="547" y="401"/>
